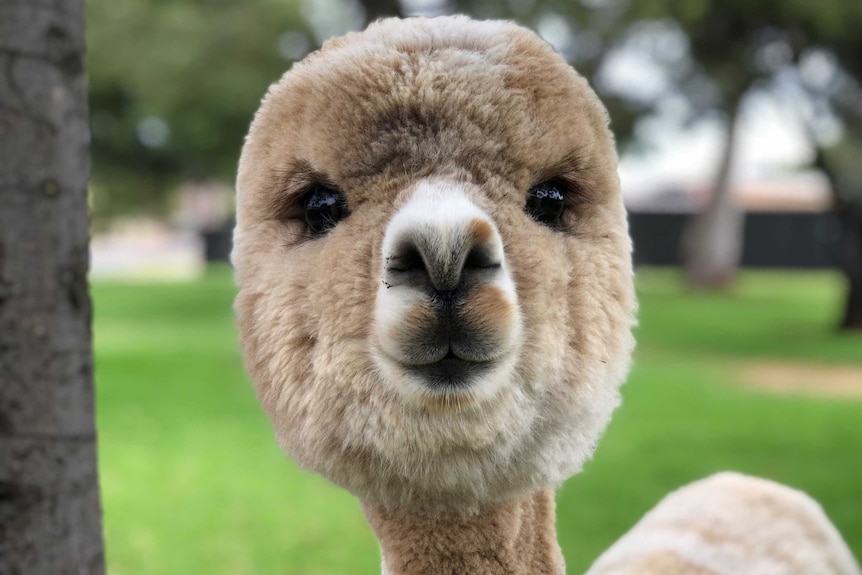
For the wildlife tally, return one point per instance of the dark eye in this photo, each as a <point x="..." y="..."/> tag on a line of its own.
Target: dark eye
<point x="324" y="208"/>
<point x="545" y="202"/>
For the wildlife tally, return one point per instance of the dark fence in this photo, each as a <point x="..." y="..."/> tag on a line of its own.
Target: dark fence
<point x="218" y="243"/>
<point x="772" y="240"/>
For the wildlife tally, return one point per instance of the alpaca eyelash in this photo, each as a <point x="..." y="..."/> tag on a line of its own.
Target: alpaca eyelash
<point x="575" y="174"/>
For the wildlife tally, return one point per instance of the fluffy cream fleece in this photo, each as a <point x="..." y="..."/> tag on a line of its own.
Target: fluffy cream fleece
<point x="731" y="524"/>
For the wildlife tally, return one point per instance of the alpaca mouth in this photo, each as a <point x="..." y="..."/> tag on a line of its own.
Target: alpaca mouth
<point x="451" y="372"/>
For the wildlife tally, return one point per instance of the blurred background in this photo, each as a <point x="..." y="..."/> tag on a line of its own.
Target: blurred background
<point x="739" y="127"/>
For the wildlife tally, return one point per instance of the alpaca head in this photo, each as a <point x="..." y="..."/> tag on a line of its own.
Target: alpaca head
<point x="435" y="294"/>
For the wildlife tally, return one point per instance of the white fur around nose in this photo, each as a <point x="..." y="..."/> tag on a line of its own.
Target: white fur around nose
<point x="442" y="213"/>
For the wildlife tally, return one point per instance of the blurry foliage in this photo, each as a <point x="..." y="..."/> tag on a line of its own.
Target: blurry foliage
<point x="173" y="86"/>
<point x="808" y="49"/>
<point x="705" y="54"/>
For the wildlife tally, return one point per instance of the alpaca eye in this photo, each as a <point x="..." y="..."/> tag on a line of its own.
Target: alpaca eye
<point x="545" y="202"/>
<point x="324" y="208"/>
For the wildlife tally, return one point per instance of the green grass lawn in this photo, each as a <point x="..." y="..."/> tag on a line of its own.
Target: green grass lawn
<point x="192" y="481"/>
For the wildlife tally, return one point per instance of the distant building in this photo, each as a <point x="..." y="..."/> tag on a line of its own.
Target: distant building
<point x="788" y="221"/>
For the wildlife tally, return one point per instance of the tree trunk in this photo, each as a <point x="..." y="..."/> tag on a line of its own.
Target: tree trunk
<point x="850" y="216"/>
<point x="49" y="497"/>
<point x="711" y="243"/>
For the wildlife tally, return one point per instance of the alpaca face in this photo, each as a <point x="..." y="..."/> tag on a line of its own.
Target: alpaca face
<point x="435" y="298"/>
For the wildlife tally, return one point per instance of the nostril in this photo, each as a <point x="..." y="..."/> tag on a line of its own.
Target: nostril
<point x="406" y="259"/>
<point x="481" y="257"/>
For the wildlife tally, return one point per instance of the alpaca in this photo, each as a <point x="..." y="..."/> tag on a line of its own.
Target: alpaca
<point x="435" y="296"/>
<point x="731" y="524"/>
<point x="435" y="284"/>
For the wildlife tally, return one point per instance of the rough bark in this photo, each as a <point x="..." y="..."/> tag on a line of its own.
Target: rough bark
<point x="49" y="500"/>
<point x="711" y="244"/>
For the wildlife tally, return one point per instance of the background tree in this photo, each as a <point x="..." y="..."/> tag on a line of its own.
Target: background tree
<point x="173" y="86"/>
<point x="843" y="171"/>
<point x="825" y="54"/>
<point x="807" y="49"/>
<point x="49" y="497"/>
<point x="766" y="44"/>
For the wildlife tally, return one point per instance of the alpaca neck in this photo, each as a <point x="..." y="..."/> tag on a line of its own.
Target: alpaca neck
<point x="514" y="538"/>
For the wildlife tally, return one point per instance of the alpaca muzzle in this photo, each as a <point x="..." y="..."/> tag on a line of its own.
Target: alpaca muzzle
<point x="446" y="309"/>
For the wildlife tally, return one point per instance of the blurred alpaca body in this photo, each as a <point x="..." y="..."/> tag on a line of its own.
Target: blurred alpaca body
<point x="731" y="524"/>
